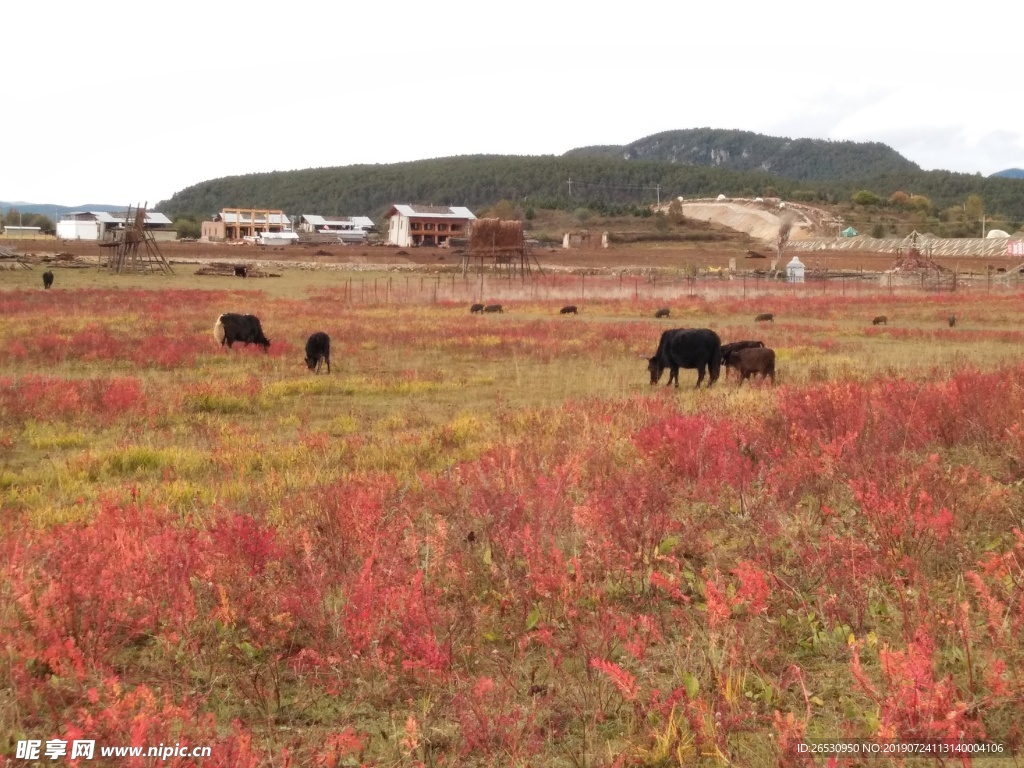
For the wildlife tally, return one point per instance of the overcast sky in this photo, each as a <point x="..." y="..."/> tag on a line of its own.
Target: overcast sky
<point x="121" y="103"/>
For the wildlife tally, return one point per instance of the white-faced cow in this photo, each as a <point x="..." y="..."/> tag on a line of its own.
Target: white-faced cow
<point x="698" y="348"/>
<point x="760" y="360"/>
<point x="246" y="329"/>
<point x="765" y="317"/>
<point x="569" y="310"/>
<point x="318" y="351"/>
<point x="494" y="308"/>
<point x="880" y="320"/>
<point x="476" y="308"/>
<point x="663" y="312"/>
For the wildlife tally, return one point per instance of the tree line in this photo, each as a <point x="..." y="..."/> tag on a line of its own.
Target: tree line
<point x="566" y="182"/>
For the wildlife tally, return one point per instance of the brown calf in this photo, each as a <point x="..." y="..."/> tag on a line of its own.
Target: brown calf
<point x="753" y="360"/>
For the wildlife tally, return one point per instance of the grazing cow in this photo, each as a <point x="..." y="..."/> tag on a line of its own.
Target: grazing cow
<point x="240" y="271"/>
<point x="766" y="317"/>
<point x="880" y="320"/>
<point x="233" y="327"/>
<point x="951" y="320"/>
<point x="663" y="312"/>
<point x="750" y="361"/>
<point x="728" y="349"/>
<point x="318" y="351"/>
<point x="698" y="348"/>
<point x="570" y="310"/>
<point x="476" y="308"/>
<point x="494" y="308"/>
<point x="47" y="279"/>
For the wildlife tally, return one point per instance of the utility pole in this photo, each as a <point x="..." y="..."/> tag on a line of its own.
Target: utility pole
<point x="570" y="186"/>
<point x="658" y="188"/>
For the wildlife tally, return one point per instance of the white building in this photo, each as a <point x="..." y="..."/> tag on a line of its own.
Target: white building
<point x="795" y="271"/>
<point x="349" y="229"/>
<point x="427" y="224"/>
<point x="102" y="225"/>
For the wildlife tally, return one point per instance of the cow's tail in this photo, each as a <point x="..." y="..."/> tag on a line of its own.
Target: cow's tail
<point x="218" y="331"/>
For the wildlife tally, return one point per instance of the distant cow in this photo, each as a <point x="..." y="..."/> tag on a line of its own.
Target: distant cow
<point x="735" y="346"/>
<point x="753" y="360"/>
<point x="246" y="329"/>
<point x="766" y="317"/>
<point x="951" y="320"/>
<point x="47" y="279"/>
<point x="663" y="312"/>
<point x="570" y="310"/>
<point x="318" y="351"/>
<point x="476" y="308"/>
<point x="880" y="320"/>
<point x="240" y="271"/>
<point x="494" y="308"/>
<point x="698" y="348"/>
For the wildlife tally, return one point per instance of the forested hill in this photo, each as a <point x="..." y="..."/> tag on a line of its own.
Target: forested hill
<point x="482" y="180"/>
<point x="800" y="159"/>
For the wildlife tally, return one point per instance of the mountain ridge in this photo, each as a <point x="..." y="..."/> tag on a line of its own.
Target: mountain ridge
<point x="800" y="159"/>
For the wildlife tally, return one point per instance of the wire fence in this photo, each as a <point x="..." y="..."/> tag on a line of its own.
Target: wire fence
<point x="493" y="288"/>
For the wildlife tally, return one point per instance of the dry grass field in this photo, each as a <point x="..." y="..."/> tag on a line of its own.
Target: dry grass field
<point x="487" y="540"/>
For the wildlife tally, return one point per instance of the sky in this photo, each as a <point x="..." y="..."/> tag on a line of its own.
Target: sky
<point x="121" y="103"/>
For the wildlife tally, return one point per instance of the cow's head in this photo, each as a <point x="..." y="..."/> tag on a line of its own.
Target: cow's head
<point x="655" y="367"/>
<point x="311" y="363"/>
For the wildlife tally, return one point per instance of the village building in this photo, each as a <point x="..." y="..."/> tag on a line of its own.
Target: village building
<point x="427" y="224"/>
<point x="104" y="225"/>
<point x="348" y="229"/>
<point x="239" y="223"/>
<point x="22" y="233"/>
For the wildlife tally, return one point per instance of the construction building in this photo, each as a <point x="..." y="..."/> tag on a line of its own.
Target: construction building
<point x="238" y="223"/>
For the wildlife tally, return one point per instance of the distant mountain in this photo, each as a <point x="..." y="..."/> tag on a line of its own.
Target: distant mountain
<point x="799" y="159"/>
<point x="56" y="210"/>
<point x="1010" y="173"/>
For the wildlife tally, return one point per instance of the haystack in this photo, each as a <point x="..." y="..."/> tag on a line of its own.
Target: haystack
<point x="496" y="235"/>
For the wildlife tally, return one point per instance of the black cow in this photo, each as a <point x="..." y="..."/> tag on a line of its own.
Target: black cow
<point x="232" y="327"/>
<point x="880" y="320"/>
<point x="476" y="308"/>
<point x="663" y="312"/>
<point x="318" y="350"/>
<point x="951" y="320"/>
<point x="240" y="271"/>
<point x="698" y="348"/>
<point x="47" y="279"/>
<point x="570" y="310"/>
<point x="753" y="360"/>
<point x="494" y="308"/>
<point x="766" y="317"/>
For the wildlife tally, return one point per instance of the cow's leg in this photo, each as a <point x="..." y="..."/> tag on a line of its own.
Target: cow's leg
<point x="700" y="376"/>
<point x="328" y="359"/>
<point x="673" y="376"/>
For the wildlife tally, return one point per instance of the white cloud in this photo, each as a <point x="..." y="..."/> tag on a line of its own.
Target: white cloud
<point x="131" y="103"/>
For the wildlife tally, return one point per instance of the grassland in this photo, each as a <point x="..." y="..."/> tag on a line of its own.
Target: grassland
<point x="488" y="541"/>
